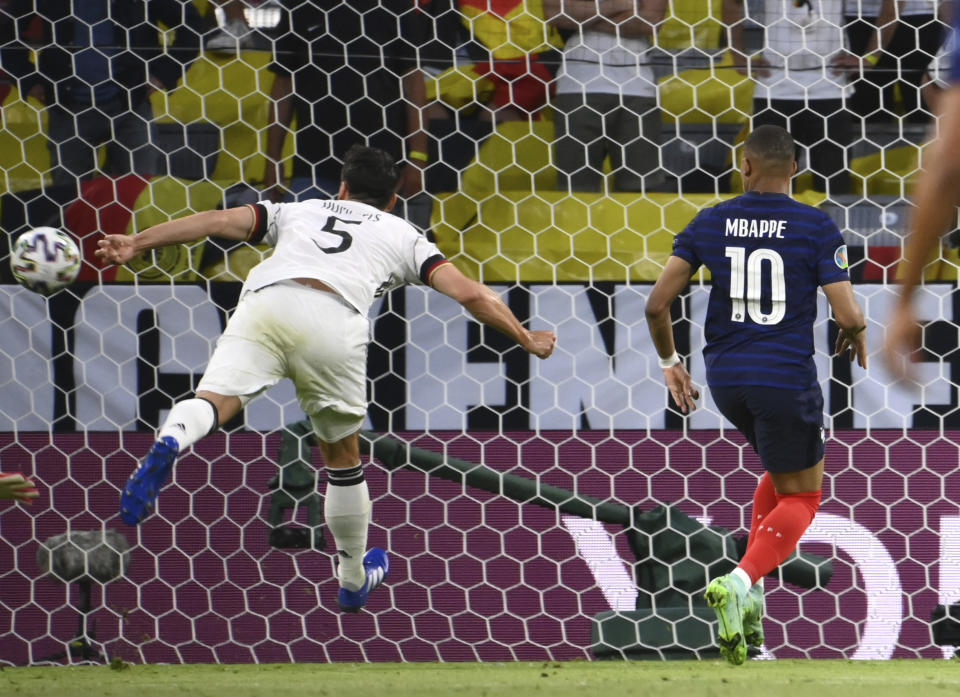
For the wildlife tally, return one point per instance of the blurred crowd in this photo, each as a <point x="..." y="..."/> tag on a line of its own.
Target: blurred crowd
<point x="431" y="80"/>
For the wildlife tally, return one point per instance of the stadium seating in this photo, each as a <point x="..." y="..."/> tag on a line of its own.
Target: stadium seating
<point x="24" y="157"/>
<point x="231" y="92"/>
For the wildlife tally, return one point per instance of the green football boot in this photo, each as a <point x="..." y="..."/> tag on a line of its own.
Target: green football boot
<point x="753" y="617"/>
<point x="722" y="596"/>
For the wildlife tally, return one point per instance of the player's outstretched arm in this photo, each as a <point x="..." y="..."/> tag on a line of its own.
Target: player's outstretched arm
<point x="14" y="485"/>
<point x="487" y="307"/>
<point x="935" y="198"/>
<point x="673" y="279"/>
<point x="849" y="317"/>
<point x="233" y="223"/>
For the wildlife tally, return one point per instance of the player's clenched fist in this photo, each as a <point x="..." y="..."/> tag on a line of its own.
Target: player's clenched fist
<point x="541" y="343"/>
<point x="17" y="487"/>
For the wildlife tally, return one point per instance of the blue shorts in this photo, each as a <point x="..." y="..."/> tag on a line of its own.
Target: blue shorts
<point x="785" y="427"/>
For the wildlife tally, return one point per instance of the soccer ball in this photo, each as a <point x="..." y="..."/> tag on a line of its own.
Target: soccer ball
<point x="45" y="260"/>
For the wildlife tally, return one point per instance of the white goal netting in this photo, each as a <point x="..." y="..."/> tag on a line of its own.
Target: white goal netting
<point x="548" y="510"/>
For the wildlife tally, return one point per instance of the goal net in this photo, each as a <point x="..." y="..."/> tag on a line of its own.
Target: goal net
<point x="534" y="510"/>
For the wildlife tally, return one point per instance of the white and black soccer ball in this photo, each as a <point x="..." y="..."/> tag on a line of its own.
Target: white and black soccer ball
<point x="45" y="260"/>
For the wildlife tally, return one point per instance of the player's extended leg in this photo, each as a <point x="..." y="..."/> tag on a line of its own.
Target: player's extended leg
<point x="787" y="434"/>
<point x="753" y="615"/>
<point x="774" y="538"/>
<point x="798" y="498"/>
<point x="347" y="515"/>
<point x="764" y="501"/>
<point x="187" y="422"/>
<point x="242" y="366"/>
<point x="729" y="602"/>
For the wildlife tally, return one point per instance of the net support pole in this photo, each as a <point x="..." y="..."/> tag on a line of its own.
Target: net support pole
<point x="394" y="454"/>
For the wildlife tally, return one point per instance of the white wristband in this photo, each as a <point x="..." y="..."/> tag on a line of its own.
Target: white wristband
<point x="670" y="361"/>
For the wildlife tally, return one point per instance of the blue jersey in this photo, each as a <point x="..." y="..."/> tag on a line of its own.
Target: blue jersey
<point x="767" y="255"/>
<point x="955" y="51"/>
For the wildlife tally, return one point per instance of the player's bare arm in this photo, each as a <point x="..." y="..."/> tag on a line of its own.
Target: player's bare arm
<point x="672" y="281"/>
<point x="487" y="307"/>
<point x="233" y="223"/>
<point x="849" y="317"/>
<point x="935" y="198"/>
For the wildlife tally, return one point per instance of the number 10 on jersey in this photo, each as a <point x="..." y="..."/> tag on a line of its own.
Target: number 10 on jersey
<point x="746" y="285"/>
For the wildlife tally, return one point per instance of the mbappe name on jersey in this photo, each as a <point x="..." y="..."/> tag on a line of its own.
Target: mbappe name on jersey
<point x="751" y="227"/>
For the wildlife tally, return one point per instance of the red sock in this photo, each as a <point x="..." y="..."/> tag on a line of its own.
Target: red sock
<point x="764" y="501"/>
<point x="779" y="532"/>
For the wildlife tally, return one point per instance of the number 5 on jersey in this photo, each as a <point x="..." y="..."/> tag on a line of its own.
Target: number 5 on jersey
<point x="345" y="238"/>
<point x="746" y="285"/>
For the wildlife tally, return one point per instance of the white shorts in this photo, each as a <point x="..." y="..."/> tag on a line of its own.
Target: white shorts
<point x="310" y="336"/>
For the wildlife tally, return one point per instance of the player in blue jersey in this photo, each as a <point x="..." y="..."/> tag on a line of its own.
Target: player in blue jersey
<point x="767" y="255"/>
<point x="935" y="198"/>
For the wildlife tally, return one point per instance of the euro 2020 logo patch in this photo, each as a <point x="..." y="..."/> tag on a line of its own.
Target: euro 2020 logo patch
<point x="840" y="256"/>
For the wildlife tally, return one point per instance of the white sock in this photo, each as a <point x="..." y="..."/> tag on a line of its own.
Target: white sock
<point x="347" y="514"/>
<point x="743" y="581"/>
<point x="189" y="421"/>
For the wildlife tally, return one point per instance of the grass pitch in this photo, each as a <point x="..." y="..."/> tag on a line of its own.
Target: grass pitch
<point x="806" y="678"/>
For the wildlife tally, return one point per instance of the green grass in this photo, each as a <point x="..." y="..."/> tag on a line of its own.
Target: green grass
<point x="809" y="678"/>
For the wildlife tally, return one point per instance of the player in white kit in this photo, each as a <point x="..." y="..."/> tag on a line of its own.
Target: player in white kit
<point x="303" y="314"/>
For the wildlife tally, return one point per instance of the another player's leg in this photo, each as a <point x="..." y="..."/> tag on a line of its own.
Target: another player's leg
<point x="798" y="498"/>
<point x="241" y="366"/>
<point x="738" y="600"/>
<point x="788" y="436"/>
<point x="329" y="370"/>
<point x="347" y="515"/>
<point x="738" y="614"/>
<point x="187" y="422"/>
<point x="728" y="599"/>
<point x="727" y="595"/>
<point x="753" y="615"/>
<point x="764" y="501"/>
<point x="776" y="539"/>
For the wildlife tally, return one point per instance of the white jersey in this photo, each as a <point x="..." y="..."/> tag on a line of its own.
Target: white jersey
<point x="802" y="39"/>
<point x="596" y="61"/>
<point x="356" y="249"/>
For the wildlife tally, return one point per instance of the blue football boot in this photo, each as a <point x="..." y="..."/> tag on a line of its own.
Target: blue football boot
<point x="377" y="565"/>
<point x="140" y="492"/>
